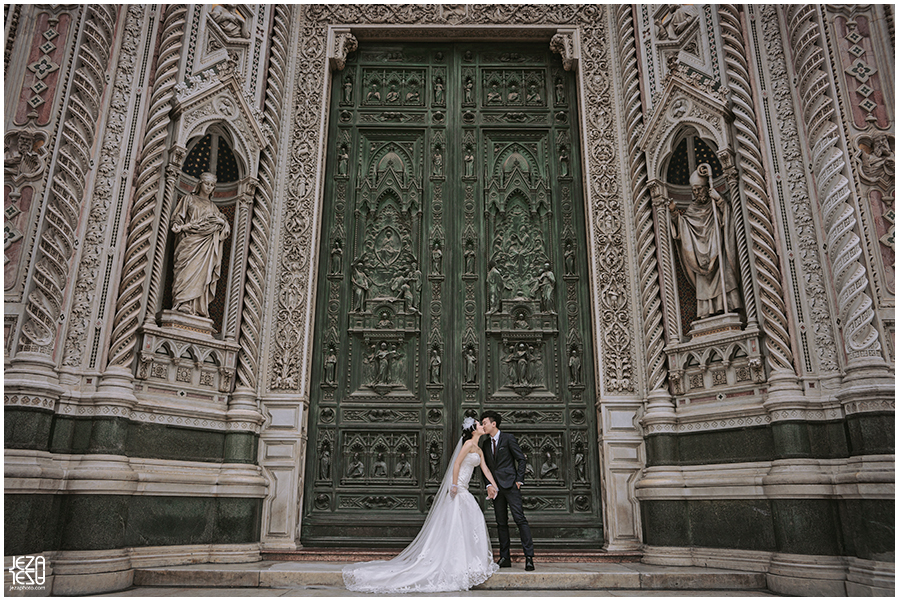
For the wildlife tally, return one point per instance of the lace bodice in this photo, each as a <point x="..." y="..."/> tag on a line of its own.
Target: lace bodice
<point x="466" y="468"/>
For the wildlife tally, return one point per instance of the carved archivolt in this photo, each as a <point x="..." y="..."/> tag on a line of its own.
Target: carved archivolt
<point x="855" y="307"/>
<point x="150" y="175"/>
<point x="57" y="242"/>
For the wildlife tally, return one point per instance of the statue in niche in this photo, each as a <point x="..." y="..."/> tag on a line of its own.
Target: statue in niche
<point x="468" y="89"/>
<point x="575" y="366"/>
<point x="325" y="464"/>
<point x="337" y="255"/>
<point x="343" y="161"/>
<point x="546" y="284"/>
<point x="706" y="243"/>
<point x="439" y="91"/>
<point x="521" y="321"/>
<point x="471" y="364"/>
<point x="401" y="286"/>
<point x="403" y="469"/>
<point x="536" y="367"/>
<point x="570" y="258"/>
<point x="469" y="255"/>
<point x="469" y="160"/>
<point x="356" y="468"/>
<point x="229" y="19"/>
<point x="412" y="97"/>
<point x="385" y="321"/>
<point x="330" y="365"/>
<point x="579" y="465"/>
<point x="437" y="162"/>
<point x="379" y="467"/>
<point x="549" y="467"/>
<point x="434" y="371"/>
<point x="493" y="96"/>
<point x="529" y="469"/>
<point x="510" y="360"/>
<point x="360" y="286"/>
<point x="563" y="161"/>
<point x="348" y="90"/>
<point x="533" y="96"/>
<point x="201" y="231"/>
<point x="496" y="286"/>
<point x="393" y="94"/>
<point x="680" y="18"/>
<point x="373" y="94"/>
<point x="879" y="163"/>
<point x="437" y="258"/>
<point x="560" y="92"/>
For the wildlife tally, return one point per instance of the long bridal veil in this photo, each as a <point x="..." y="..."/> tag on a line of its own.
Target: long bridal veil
<point x="451" y="552"/>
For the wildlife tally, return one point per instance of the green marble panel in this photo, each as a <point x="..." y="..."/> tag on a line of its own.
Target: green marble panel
<point x="807" y="526"/>
<point x="26" y="428"/>
<point x="871" y="433"/>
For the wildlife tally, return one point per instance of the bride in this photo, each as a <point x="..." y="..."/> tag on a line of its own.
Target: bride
<point x="452" y="552"/>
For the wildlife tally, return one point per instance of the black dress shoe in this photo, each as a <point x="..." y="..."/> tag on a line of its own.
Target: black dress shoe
<point x="504" y="563"/>
<point x="529" y="563"/>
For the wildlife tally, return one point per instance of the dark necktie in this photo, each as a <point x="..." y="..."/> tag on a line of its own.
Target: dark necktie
<point x="494" y="447"/>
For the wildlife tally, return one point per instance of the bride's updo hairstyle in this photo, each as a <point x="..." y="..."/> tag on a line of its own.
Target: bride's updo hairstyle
<point x="468" y="427"/>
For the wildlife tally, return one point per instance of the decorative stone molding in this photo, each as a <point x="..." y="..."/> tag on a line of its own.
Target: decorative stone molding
<point x="138" y="244"/>
<point x="115" y="143"/>
<point x="567" y="44"/>
<point x="57" y="240"/>
<point x="855" y="307"/>
<point x="250" y="354"/>
<point x="341" y="43"/>
<point x="30" y="401"/>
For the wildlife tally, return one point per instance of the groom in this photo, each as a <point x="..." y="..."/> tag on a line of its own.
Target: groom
<point x="507" y="463"/>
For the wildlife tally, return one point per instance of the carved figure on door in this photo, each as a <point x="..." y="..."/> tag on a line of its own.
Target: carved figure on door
<point x="356" y="468"/>
<point x="379" y="467"/>
<point x="575" y="367"/>
<point x="437" y="258"/>
<point x="330" y="365"/>
<point x="549" y="467"/>
<point x="360" y="286"/>
<point x="403" y="468"/>
<point x="337" y="254"/>
<point x="471" y="362"/>
<point x="546" y="284"/>
<point x="434" y="376"/>
<point x="325" y="464"/>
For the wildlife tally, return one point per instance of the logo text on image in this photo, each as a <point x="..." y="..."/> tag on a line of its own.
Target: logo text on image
<point x="28" y="570"/>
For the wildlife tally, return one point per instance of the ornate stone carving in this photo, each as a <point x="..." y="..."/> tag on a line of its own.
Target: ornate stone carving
<point x="755" y="196"/>
<point x="24" y="155"/>
<point x="566" y="44"/>
<point x="114" y="144"/>
<point x="230" y="20"/>
<point x="150" y="173"/>
<point x="57" y="240"/>
<point x="855" y="305"/>
<point x="799" y="187"/>
<point x="344" y="43"/>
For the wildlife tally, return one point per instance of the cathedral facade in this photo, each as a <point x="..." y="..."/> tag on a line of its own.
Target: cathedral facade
<point x="262" y="260"/>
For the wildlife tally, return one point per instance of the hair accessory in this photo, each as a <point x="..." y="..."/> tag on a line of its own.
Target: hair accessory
<point x="469" y="422"/>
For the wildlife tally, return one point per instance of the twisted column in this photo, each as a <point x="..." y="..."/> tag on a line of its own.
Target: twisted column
<point x="44" y="306"/>
<point x="261" y="222"/>
<point x="765" y="255"/>
<point x="150" y="173"/>
<point x="651" y="302"/>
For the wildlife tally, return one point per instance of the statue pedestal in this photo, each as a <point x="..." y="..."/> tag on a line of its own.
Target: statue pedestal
<point x="723" y="324"/>
<point x="178" y="320"/>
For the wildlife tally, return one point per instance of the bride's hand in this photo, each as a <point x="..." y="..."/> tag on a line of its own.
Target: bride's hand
<point x="453" y="490"/>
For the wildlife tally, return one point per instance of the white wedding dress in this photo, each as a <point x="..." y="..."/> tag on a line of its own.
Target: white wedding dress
<point x="451" y="553"/>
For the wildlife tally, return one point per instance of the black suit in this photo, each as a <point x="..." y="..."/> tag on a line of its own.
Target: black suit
<point x="508" y="467"/>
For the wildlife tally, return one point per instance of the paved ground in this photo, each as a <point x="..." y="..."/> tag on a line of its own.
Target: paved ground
<point x="323" y="591"/>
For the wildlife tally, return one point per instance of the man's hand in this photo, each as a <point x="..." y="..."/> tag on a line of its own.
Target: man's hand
<point x="491" y="491"/>
<point x="518" y="485"/>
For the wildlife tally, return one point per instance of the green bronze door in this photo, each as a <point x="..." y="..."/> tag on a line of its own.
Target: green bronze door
<point x="452" y="279"/>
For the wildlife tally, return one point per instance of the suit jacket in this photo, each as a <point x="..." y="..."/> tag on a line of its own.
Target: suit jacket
<point x="509" y="465"/>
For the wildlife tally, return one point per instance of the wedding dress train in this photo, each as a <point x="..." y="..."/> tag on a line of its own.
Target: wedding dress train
<point x="452" y="552"/>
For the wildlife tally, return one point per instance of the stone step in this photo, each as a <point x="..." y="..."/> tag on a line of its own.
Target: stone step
<point x="558" y="576"/>
<point x="347" y="555"/>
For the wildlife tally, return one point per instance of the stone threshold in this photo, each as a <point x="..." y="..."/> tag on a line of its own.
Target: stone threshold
<point x="365" y="554"/>
<point x="558" y="576"/>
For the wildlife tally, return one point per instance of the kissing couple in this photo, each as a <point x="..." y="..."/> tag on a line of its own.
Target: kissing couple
<point x="452" y="551"/>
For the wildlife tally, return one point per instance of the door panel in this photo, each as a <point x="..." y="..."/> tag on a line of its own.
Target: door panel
<point x="453" y="279"/>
